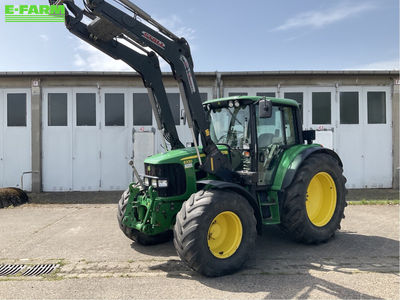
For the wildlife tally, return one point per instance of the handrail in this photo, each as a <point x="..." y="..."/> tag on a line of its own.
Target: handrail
<point x="22" y="177"/>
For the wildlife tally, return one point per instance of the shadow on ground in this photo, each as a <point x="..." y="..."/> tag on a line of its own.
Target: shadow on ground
<point x="276" y="255"/>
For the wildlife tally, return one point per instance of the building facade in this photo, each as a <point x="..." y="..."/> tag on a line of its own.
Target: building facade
<point x="76" y="131"/>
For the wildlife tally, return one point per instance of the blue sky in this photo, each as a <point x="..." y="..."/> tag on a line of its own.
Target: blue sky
<point x="255" y="35"/>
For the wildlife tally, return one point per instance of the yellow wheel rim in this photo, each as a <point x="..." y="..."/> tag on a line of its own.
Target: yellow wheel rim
<point x="321" y="199"/>
<point x="224" y="234"/>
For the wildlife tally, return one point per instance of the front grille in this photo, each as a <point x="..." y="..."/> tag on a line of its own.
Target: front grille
<point x="175" y="173"/>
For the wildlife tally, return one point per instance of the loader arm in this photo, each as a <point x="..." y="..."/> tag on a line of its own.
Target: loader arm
<point x="109" y="23"/>
<point x="146" y="65"/>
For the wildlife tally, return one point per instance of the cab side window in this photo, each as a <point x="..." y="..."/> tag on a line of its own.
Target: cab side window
<point x="289" y="126"/>
<point x="269" y="130"/>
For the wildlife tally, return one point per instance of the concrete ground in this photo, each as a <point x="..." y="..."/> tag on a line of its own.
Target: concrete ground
<point x="98" y="261"/>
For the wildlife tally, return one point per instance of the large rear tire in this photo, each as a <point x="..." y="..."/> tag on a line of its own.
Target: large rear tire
<point x="215" y="231"/>
<point x="134" y="234"/>
<point x="313" y="205"/>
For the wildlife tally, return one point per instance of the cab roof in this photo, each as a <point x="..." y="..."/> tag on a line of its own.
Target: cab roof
<point x="279" y="101"/>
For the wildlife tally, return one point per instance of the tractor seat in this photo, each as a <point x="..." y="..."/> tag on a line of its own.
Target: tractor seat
<point x="265" y="139"/>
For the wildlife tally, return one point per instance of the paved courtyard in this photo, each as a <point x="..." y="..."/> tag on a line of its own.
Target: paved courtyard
<point x="95" y="259"/>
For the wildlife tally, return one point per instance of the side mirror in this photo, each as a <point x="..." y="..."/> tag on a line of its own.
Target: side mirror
<point x="265" y="108"/>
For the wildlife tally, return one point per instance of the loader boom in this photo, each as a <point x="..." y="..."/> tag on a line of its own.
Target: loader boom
<point x="110" y="23"/>
<point x="146" y="65"/>
<point x="176" y="52"/>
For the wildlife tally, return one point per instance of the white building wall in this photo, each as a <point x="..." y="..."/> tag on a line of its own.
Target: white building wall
<point x="96" y="157"/>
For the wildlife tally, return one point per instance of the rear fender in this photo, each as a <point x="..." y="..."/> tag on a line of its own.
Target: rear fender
<point x="300" y="158"/>
<point x="223" y="185"/>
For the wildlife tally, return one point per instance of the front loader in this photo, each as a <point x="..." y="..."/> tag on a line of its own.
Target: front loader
<point x="252" y="166"/>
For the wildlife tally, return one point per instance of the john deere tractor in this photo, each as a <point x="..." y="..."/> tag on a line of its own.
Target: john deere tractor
<point x="252" y="166"/>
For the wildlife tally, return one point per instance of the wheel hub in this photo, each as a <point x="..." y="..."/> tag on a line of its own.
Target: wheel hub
<point x="224" y="234"/>
<point x="321" y="199"/>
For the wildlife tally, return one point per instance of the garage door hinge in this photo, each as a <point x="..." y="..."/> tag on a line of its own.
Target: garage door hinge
<point x="100" y="154"/>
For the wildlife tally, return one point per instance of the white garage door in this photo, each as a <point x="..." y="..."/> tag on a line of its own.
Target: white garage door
<point x="15" y="137"/>
<point x="364" y="136"/>
<point x="57" y="140"/>
<point x="115" y="144"/>
<point x="85" y="140"/>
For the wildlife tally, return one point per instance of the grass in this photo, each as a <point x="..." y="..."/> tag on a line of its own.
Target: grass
<point x="374" y="202"/>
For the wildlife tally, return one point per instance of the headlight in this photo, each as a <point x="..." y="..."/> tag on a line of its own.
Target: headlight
<point x="154" y="183"/>
<point x="163" y="183"/>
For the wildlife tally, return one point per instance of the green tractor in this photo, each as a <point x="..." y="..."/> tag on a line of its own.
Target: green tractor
<point x="253" y="167"/>
<point x="283" y="181"/>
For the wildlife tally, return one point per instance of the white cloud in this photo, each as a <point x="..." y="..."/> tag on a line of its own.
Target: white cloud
<point x="88" y="58"/>
<point x="393" y="64"/>
<point x="44" y="37"/>
<point x="175" y="24"/>
<point x="318" y="19"/>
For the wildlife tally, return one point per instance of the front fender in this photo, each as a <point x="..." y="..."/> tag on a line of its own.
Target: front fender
<point x="240" y="190"/>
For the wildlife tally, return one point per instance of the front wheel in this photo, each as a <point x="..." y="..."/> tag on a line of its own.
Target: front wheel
<point x="313" y="205"/>
<point x="215" y="231"/>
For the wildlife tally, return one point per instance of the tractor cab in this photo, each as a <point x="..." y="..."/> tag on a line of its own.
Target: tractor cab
<point x="256" y="130"/>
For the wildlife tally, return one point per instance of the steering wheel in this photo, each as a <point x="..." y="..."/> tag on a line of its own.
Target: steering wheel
<point x="223" y="136"/>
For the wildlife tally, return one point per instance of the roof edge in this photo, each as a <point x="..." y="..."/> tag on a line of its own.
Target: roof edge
<point x="230" y="73"/>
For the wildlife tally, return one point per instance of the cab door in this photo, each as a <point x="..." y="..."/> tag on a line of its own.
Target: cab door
<point x="274" y="135"/>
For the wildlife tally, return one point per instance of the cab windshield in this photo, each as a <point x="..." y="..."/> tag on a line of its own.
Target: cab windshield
<point x="230" y="126"/>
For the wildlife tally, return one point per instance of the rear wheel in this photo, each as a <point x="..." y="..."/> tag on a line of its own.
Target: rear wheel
<point x="215" y="231"/>
<point x="314" y="203"/>
<point x="134" y="234"/>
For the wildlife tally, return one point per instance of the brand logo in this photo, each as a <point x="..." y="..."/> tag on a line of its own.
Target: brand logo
<point x="34" y="13"/>
<point x="152" y="39"/>
<point x="188" y="73"/>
